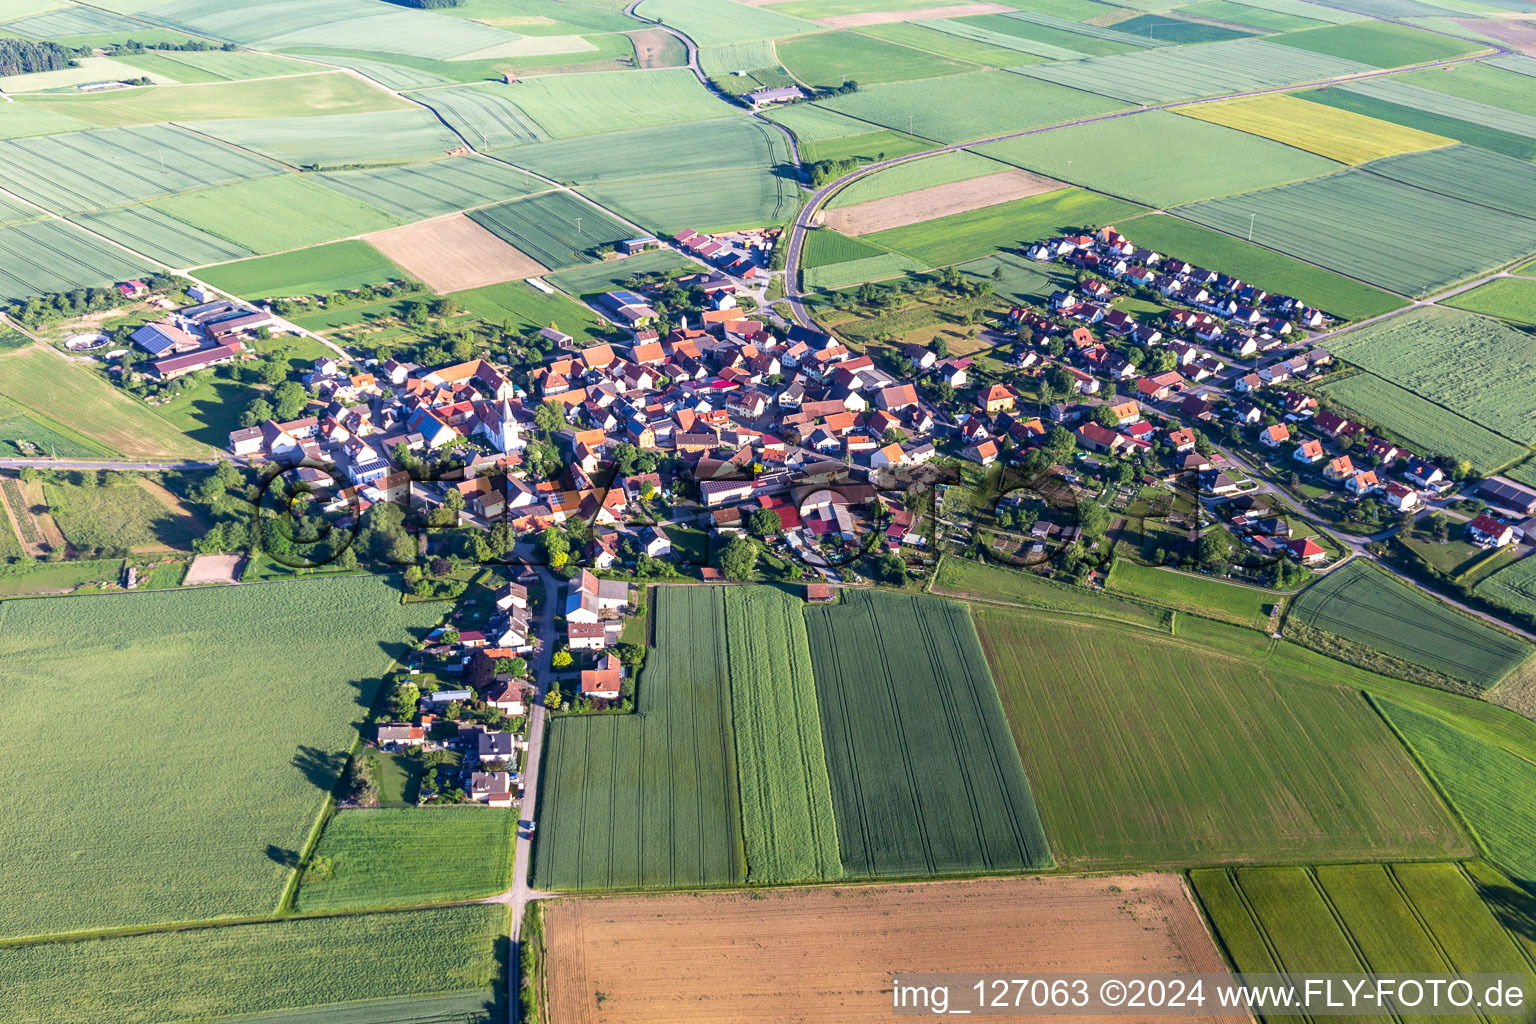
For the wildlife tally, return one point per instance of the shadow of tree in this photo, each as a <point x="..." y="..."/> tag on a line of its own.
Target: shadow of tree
<point x="1514" y="905"/>
<point x="281" y="857"/>
<point x="321" y="767"/>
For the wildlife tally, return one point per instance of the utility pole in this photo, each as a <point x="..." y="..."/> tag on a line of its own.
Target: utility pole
<point x="1251" y="218"/>
<point x="578" y="225"/>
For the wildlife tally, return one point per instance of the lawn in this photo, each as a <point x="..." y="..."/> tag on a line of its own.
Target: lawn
<point x="1198" y="595"/>
<point x="650" y="799"/>
<point x="527" y="310"/>
<point x="1492" y="790"/>
<point x="425" y="965"/>
<point x="981" y="581"/>
<point x="1478" y="368"/>
<point x="402" y="856"/>
<point x="1423" y="424"/>
<point x="924" y="779"/>
<point x="830" y="59"/>
<point x="1331" y="132"/>
<point x="786" y="798"/>
<point x="1382" y="44"/>
<point x="1333" y="293"/>
<point x="316" y="271"/>
<point x="272" y="214"/>
<point x="1147" y="750"/>
<point x="1508" y="298"/>
<point x="966" y="236"/>
<point x="1365" y="605"/>
<point x="275" y="677"/>
<point x="118" y="516"/>
<point x="44" y="385"/>
<point x="1174" y="158"/>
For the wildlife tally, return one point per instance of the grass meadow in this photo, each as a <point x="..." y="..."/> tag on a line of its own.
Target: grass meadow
<point x="1147" y="751"/>
<point x="193" y="813"/>
<point x="1365" y="605"/>
<point x="421" y="966"/>
<point x="315" y="271"/>
<point x="980" y="581"/>
<point x="1199" y="595"/>
<point x="119" y="516"/>
<point x="1508" y="298"/>
<point x="402" y="856"/>
<point x="924" y="778"/>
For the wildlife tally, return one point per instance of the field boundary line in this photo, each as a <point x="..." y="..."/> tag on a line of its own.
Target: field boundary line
<point x="1480" y="848"/>
<point x="970" y="598"/>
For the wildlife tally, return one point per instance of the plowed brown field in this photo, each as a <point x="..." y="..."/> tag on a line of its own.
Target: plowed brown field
<point x="453" y="253"/>
<point x="827" y="954"/>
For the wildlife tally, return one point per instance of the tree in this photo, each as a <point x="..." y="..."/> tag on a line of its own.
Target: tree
<point x="552" y="699"/>
<point x="1215" y="551"/>
<point x="450" y="636"/>
<point x="272" y="371"/>
<point x="562" y="659"/>
<point x="939" y="347"/>
<point x="289" y="400"/>
<point x="631" y="655"/>
<point x="1092" y="520"/>
<point x="454" y="500"/>
<point x="888" y="568"/>
<point x="1059" y="444"/>
<point x="556" y="548"/>
<point x="1439" y="527"/>
<point x="517" y="668"/>
<point x="764" y="522"/>
<point x="739" y="559"/>
<point x="258" y="411"/>
<point x="402" y="701"/>
<point x="549" y="417"/>
<point x="1104" y="416"/>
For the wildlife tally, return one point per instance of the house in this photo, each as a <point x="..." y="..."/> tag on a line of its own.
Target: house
<point x="1306" y="551"/>
<point x="246" y="441"/>
<point x="1489" y="532"/>
<point x="590" y="597"/>
<point x="818" y="593"/>
<point x="1362" y="483"/>
<point x="1332" y="424"/>
<point x="1126" y="412"/>
<point x="399" y="735"/>
<point x="1099" y="439"/>
<point x="1181" y="440"/>
<point x="587" y="636"/>
<point x="1424" y="474"/>
<point x="1340" y="469"/>
<point x="604" y="681"/>
<point x="996" y="399"/>
<point x="1275" y="436"/>
<point x="1404" y="499"/>
<point x="984" y="452"/>
<point x="491" y="788"/>
<point x="889" y="457"/>
<point x="1213" y="481"/>
<point x="1309" y="451"/>
<point x="512" y="596"/>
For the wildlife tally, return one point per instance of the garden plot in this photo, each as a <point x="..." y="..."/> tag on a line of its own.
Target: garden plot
<point x="744" y="955"/>
<point x="1466" y="172"/>
<point x="1478" y="368"/>
<point x="338" y="140"/>
<point x="1176" y="159"/>
<point x="939" y="201"/>
<point x="113" y="166"/>
<point x="1337" y="134"/>
<point x="1185" y="72"/>
<point x="1364" y="604"/>
<point x="557" y="229"/>
<point x="1390" y="234"/>
<point x="454" y="253"/>
<point x="419" y="191"/>
<point x="950" y="109"/>
<point x="42" y="257"/>
<point x="1423" y="424"/>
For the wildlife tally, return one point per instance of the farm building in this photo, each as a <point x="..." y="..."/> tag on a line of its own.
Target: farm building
<point x="177" y="366"/>
<point x="780" y="94"/>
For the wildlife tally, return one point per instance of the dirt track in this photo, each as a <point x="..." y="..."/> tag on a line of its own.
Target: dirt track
<point x="939" y="201"/>
<point x="453" y="253"/>
<point x="827" y="954"/>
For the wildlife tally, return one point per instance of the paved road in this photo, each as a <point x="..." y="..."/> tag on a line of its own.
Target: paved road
<point x="118" y="464"/>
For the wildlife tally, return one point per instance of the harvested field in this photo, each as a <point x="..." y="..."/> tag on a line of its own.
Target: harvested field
<point x="213" y="569"/>
<point x="746" y="956"/>
<point x="886" y="17"/>
<point x="454" y="253"/>
<point x="939" y="201"/>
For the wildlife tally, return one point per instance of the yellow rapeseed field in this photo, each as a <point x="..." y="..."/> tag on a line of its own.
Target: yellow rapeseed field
<point x="1338" y="134"/>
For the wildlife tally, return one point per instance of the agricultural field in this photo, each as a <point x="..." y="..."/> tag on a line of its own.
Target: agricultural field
<point x="824" y="247"/>
<point x="1269" y="16"/>
<point x="486" y="114"/>
<point x="112" y="166"/>
<point x="1173" y="164"/>
<point x="91" y="69"/>
<point x="402" y="856"/>
<point x="124" y="514"/>
<point x="980" y="581"/>
<point x="26" y="432"/>
<point x="1490" y="138"/>
<point x="708" y="23"/>
<point x="158" y="235"/>
<point x="1225" y="602"/>
<point x="945" y="109"/>
<point x="1381" y="231"/>
<point x="1063" y="35"/>
<point x="1147" y="750"/>
<point x="591" y="281"/>
<point x="316" y="271"/>
<point x="1423" y="424"/>
<point x="453" y="254"/>
<point x="1513" y="587"/>
<point x="1365" y="605"/>
<point x="650" y="799"/>
<point x="43" y="384"/>
<point x="18" y="120"/>
<point x="953" y="38"/>
<point x="871" y="268"/>
<point x="1480" y="82"/>
<point x="222" y="66"/>
<point x="1490" y="788"/>
<point x="1379" y="43"/>
<point x="1171" y="29"/>
<point x="692" y="147"/>
<point x="1466" y="172"/>
<point x="1332" y="293"/>
<point x="43" y="256"/>
<point x="662" y="957"/>
<point x="966" y="236"/>
<point x="272" y="214"/>
<point x="786" y="798"/>
<point x="704" y="202"/>
<point x="912" y="176"/>
<point x="923" y="778"/>
<point x="1399" y="90"/>
<point x="1403" y="918"/>
<point x="1476" y="367"/>
<point x="338" y="140"/>
<point x="1508" y="298"/>
<point x="1185" y="72"/>
<point x="425" y="965"/>
<point x="940" y="201"/>
<point x="1334" y="133"/>
<point x="556" y="228"/>
<point x="829" y="59"/>
<point x="418" y="191"/>
<point x="527" y="310"/>
<point x="232" y="833"/>
<point x="303" y="95"/>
